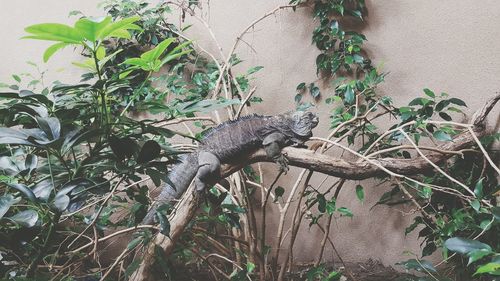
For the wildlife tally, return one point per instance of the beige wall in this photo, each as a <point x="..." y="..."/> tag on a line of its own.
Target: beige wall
<point x="449" y="46"/>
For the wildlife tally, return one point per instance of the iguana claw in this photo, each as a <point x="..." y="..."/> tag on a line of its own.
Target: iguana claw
<point x="282" y="161"/>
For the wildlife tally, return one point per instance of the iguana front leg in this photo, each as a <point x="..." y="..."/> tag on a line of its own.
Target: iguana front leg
<point x="273" y="144"/>
<point x="208" y="170"/>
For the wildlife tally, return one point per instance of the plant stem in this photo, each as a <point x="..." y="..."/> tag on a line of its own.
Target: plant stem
<point x="34" y="264"/>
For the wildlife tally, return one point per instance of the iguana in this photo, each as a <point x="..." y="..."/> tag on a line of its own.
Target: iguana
<point x="228" y="143"/>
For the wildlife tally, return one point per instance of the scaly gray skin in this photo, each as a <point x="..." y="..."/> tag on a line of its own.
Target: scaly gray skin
<point x="228" y="142"/>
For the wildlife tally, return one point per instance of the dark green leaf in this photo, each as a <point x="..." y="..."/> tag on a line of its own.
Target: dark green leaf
<point x="24" y="190"/>
<point x="475" y="205"/>
<point x="458" y="102"/>
<point x="360" y="193"/>
<point x="26" y="218"/>
<point x="445" y="116"/>
<point x="476" y="255"/>
<point x="429" y="93"/>
<point x="279" y="191"/>
<point x="6" y="202"/>
<point x="464" y="245"/>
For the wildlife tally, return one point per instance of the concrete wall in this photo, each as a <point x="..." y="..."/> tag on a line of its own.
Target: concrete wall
<point x="449" y="46"/>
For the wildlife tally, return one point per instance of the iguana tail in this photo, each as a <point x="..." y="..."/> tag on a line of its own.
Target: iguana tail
<point x="180" y="176"/>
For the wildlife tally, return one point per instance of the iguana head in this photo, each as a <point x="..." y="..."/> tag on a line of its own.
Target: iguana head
<point x="303" y="122"/>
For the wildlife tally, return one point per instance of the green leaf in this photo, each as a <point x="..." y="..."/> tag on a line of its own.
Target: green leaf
<point x="349" y="95"/>
<point x="254" y="69"/>
<point x="360" y="193"/>
<point x="464" y="245"/>
<point x="17" y="78"/>
<point x="491" y="268"/>
<point x="429" y="93"/>
<point x="330" y="207"/>
<point x="301" y="87"/>
<point x="24" y="190"/>
<point x="476" y="255"/>
<point x="173" y="56"/>
<point x="475" y="205"/>
<point x="279" y="191"/>
<point x="315" y="92"/>
<point x="52" y="49"/>
<point x="90" y="28"/>
<point x="6" y="202"/>
<point x="50" y="126"/>
<point x="126" y="23"/>
<point x="100" y="53"/>
<point x="61" y="202"/>
<point x="26" y="218"/>
<point x="478" y="190"/>
<point x="54" y="32"/>
<point x="445" y="116"/>
<point x="442" y="136"/>
<point x="250" y="267"/>
<point x="155" y="53"/>
<point x="458" y="102"/>
<point x="132" y="244"/>
<point x="345" y="211"/>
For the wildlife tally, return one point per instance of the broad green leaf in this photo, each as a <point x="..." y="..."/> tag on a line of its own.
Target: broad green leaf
<point x="360" y="193"/>
<point x="125" y="23"/>
<point x="52" y="49"/>
<point x="6" y="202"/>
<point x="26" y="218"/>
<point x="476" y="255"/>
<point x="171" y="57"/>
<point x="100" y="53"/>
<point x="90" y="28"/>
<point x="156" y="52"/>
<point x="442" y="136"/>
<point x="51" y="126"/>
<point x="61" y="202"/>
<point x="137" y="62"/>
<point x="475" y="205"/>
<point x="54" y="32"/>
<point x="24" y="190"/>
<point x="491" y="268"/>
<point x="464" y="245"/>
